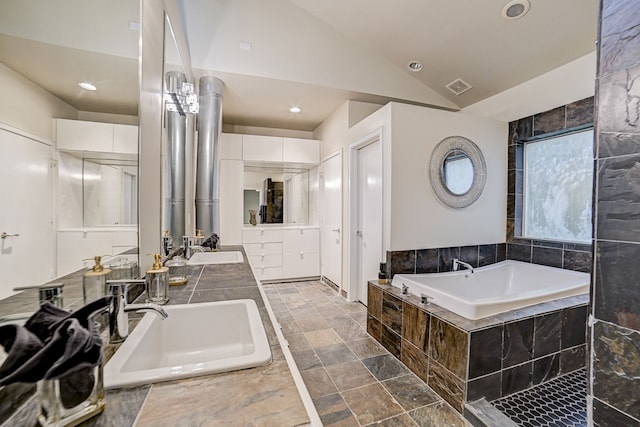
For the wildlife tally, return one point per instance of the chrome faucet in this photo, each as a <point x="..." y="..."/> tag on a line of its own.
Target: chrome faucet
<point x="405" y="289"/>
<point x="457" y="263"/>
<point x="118" y="309"/>
<point x="51" y="292"/>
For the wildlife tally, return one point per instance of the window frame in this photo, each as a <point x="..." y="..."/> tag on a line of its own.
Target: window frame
<point x="523" y="208"/>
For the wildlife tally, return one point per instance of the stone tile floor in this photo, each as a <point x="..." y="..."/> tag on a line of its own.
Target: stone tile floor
<point x="352" y="380"/>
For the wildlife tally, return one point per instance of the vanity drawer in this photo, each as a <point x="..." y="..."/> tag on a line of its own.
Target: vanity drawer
<point x="261" y="235"/>
<point x="259" y="261"/>
<point x="263" y="249"/>
<point x="268" y="273"/>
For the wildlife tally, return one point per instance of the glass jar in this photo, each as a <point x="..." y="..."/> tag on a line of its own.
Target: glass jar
<point x="72" y="399"/>
<point x="177" y="271"/>
<point x="123" y="270"/>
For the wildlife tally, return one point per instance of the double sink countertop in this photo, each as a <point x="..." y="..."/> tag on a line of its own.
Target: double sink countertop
<point x="265" y="395"/>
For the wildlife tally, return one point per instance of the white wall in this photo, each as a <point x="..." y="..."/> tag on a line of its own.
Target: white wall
<point x="418" y="218"/>
<point x="571" y="82"/>
<point x="28" y="107"/>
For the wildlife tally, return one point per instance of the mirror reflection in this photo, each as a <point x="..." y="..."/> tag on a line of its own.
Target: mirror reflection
<point x="457" y="172"/>
<point x="278" y="196"/>
<point x="61" y="201"/>
<point x="110" y="192"/>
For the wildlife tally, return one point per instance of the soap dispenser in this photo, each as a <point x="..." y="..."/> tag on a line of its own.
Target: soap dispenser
<point x="94" y="282"/>
<point x="157" y="281"/>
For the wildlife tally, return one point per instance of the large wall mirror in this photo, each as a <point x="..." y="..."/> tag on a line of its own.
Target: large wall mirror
<point x="55" y="45"/>
<point x="276" y="195"/>
<point x="457" y="171"/>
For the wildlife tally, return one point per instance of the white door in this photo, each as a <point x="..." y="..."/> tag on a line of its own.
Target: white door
<point x="369" y="215"/>
<point x="331" y="222"/>
<point x="26" y="209"/>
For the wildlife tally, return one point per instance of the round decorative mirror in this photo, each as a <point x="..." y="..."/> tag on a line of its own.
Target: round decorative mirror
<point x="457" y="171"/>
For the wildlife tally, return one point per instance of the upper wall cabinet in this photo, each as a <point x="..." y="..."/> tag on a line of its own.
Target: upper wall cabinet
<point x="273" y="149"/>
<point x="78" y="135"/>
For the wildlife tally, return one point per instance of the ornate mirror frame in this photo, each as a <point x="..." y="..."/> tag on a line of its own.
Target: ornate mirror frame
<point x="436" y="178"/>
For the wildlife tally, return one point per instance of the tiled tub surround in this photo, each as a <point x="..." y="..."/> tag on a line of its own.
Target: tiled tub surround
<point x="464" y="360"/>
<point x="569" y="256"/>
<point x="259" y="396"/>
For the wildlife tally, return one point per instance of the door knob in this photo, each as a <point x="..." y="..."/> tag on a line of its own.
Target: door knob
<point x="336" y="229"/>
<point x="359" y="233"/>
<point x="4" y="235"/>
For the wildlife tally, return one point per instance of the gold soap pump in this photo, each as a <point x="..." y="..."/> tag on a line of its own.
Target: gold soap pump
<point x="94" y="282"/>
<point x="157" y="281"/>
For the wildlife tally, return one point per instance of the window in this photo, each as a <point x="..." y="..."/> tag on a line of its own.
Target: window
<point x="558" y="186"/>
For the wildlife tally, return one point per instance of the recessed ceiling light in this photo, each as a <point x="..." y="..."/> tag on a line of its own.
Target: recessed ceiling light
<point x="87" y="86"/>
<point x="515" y="9"/>
<point x="295" y="109"/>
<point x="415" y="66"/>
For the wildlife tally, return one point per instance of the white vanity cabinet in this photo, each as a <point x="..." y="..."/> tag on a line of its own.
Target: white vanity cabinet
<point x="80" y="135"/>
<point x="287" y="252"/>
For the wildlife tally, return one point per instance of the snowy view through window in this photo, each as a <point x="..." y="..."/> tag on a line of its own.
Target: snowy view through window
<point x="558" y="187"/>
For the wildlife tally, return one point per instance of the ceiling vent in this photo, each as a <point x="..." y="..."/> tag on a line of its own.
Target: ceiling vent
<point x="458" y="86"/>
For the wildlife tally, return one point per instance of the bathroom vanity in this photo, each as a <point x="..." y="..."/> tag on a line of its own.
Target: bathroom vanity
<point x="265" y="395"/>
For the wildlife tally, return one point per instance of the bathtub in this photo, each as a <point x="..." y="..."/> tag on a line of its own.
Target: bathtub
<point x="496" y="288"/>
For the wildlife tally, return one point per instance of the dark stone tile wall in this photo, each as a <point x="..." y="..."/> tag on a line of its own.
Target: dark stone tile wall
<point x="615" y="356"/>
<point x="546" y="252"/>
<point x="463" y="364"/>
<point x="440" y="260"/>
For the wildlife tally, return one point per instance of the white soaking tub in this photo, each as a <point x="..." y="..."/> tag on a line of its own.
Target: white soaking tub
<point x="496" y="288"/>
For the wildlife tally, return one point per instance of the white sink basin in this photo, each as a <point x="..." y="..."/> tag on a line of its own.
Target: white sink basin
<point x="196" y="339"/>
<point x="205" y="258"/>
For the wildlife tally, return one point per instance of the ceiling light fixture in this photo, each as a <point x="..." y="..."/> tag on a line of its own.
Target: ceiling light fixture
<point x="515" y="9"/>
<point x="295" y="109"/>
<point x="415" y="66"/>
<point x="87" y="86"/>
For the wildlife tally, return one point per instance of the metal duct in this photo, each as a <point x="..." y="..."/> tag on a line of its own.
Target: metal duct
<point x="208" y="156"/>
<point x="174" y="218"/>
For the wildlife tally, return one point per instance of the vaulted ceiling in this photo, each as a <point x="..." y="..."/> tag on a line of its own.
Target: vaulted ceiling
<point x="273" y="54"/>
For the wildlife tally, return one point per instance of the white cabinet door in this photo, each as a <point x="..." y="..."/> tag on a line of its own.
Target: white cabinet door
<point x="301" y="265"/>
<point x="231" y="146"/>
<point x="79" y="135"/>
<point x="301" y="240"/>
<point x="125" y="139"/>
<point x="300" y="249"/>
<point x="262" y="261"/>
<point x="297" y="150"/>
<point x="261" y="148"/>
<point x="268" y="273"/>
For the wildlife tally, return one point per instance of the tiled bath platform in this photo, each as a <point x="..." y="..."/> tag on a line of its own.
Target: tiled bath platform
<point x="465" y="360"/>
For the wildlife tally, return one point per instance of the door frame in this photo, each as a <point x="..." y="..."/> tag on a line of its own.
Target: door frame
<point x="370" y="138"/>
<point x="336" y="153"/>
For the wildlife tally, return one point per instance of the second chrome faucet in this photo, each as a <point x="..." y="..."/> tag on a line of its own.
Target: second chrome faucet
<point x="457" y="263"/>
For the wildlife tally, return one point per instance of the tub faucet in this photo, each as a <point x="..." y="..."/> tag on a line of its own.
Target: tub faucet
<point x="118" y="309"/>
<point x="457" y="263"/>
<point x="405" y="289"/>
